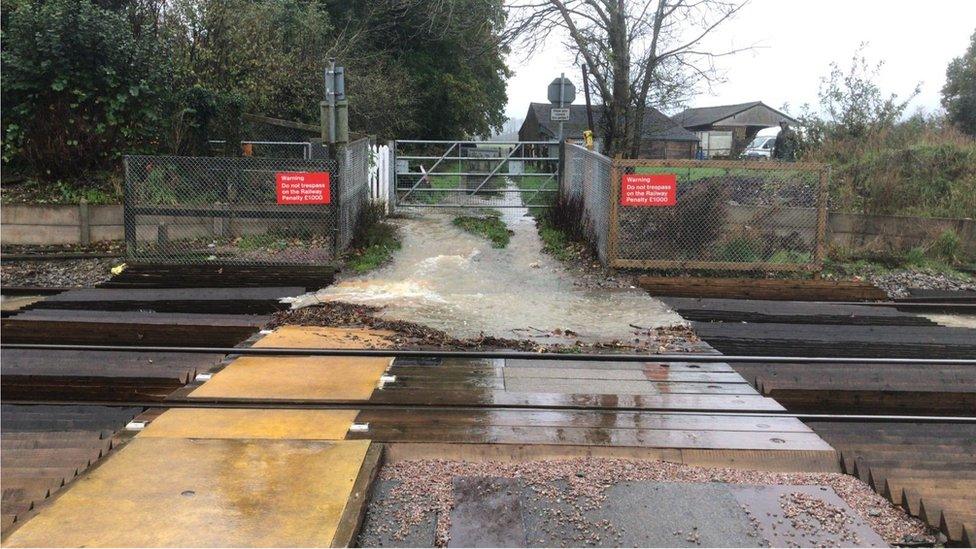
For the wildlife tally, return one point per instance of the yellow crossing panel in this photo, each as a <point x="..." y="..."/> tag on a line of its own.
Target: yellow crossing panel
<point x="180" y="492"/>
<point x="306" y="377"/>
<point x="242" y="423"/>
<point x="311" y="337"/>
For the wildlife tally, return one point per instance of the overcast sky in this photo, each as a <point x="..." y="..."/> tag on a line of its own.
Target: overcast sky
<point x="798" y="39"/>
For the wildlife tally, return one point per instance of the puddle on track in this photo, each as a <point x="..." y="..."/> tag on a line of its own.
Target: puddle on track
<point x="454" y="281"/>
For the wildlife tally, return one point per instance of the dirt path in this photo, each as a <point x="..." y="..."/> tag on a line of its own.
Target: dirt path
<point x="456" y="282"/>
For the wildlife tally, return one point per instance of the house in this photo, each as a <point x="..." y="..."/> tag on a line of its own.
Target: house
<point x="725" y="130"/>
<point x="663" y="138"/>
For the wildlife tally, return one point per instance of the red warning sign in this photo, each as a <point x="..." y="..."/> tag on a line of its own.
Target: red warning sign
<point x="302" y="187"/>
<point x="658" y="189"/>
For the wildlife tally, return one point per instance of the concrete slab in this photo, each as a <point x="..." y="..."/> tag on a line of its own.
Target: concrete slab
<point x="487" y="513"/>
<point x="251" y="424"/>
<point x="643" y="514"/>
<point x="284" y="378"/>
<point x="381" y="529"/>
<point x="174" y="492"/>
<point x="311" y="337"/>
<point x="786" y="516"/>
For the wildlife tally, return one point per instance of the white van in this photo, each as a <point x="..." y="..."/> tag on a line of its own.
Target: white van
<point x="761" y="147"/>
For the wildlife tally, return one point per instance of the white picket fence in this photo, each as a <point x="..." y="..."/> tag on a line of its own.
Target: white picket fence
<point x="380" y="176"/>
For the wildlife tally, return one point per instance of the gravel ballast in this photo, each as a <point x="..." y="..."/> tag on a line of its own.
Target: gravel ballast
<point x="58" y="273"/>
<point x="423" y="491"/>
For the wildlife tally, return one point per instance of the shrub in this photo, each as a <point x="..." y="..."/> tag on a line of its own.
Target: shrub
<point x="78" y="86"/>
<point x="947" y="247"/>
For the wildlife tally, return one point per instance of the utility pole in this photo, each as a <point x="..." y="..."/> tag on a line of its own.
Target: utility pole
<point x="334" y="110"/>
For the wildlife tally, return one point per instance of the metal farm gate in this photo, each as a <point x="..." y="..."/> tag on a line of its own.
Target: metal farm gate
<point x="474" y="174"/>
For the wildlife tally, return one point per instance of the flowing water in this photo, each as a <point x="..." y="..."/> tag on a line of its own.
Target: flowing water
<point x="455" y="281"/>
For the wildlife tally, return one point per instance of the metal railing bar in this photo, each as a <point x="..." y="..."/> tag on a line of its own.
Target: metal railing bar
<point x="516" y="355"/>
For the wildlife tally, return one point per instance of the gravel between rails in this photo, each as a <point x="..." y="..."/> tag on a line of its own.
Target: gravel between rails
<point x="58" y="273"/>
<point x="426" y="486"/>
<point x="896" y="284"/>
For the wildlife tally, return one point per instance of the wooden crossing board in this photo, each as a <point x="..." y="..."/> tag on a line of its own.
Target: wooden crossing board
<point x="178" y="492"/>
<point x="248" y="423"/>
<point x="293" y="378"/>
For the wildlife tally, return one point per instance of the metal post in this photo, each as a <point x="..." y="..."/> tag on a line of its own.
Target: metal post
<point x="562" y="98"/>
<point x="128" y="217"/>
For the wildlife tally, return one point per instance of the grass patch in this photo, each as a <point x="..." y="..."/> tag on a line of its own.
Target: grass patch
<point x="538" y="191"/>
<point x="106" y="189"/>
<point x="557" y="243"/>
<point x="375" y="242"/>
<point x="490" y="227"/>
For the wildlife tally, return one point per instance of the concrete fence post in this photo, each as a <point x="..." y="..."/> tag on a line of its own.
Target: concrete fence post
<point x="84" y="223"/>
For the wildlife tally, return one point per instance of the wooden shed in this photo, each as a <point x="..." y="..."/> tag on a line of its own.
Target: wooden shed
<point x="725" y="130"/>
<point x="663" y="137"/>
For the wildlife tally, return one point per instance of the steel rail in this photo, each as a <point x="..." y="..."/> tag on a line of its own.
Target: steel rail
<point x="512" y="355"/>
<point x="365" y="405"/>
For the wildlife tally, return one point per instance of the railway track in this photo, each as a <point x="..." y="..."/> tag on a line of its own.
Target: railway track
<point x="691" y="401"/>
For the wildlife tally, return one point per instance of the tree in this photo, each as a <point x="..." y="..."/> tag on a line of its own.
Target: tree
<point x="640" y="53"/>
<point x="853" y="101"/>
<point x="959" y="92"/>
<point x="78" y="86"/>
<point x="430" y="69"/>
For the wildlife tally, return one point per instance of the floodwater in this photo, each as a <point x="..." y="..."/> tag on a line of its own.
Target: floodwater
<point x="455" y="281"/>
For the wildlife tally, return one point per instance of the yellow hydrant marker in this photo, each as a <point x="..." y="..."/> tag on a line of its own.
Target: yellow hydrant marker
<point x="179" y="492"/>
<point x="251" y="424"/>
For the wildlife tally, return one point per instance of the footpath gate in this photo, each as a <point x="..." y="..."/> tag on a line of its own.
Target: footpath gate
<point x="474" y="174"/>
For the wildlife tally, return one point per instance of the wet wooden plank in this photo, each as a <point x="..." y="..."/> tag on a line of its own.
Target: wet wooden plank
<point x="537" y="385"/>
<point x="31" y="374"/>
<point x="418" y="418"/>
<point x="259" y="301"/>
<point x="178" y="366"/>
<point x="768" y="289"/>
<point x="790" y="312"/>
<point x="144" y="317"/>
<point x="848" y="341"/>
<point x="129" y="328"/>
<point x="160" y="275"/>
<point x="504" y="434"/>
<point x="609" y="364"/>
<point x="689" y="402"/>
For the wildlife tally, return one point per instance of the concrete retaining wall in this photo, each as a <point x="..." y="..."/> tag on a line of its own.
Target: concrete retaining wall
<point x="83" y="224"/>
<point x="46" y="225"/>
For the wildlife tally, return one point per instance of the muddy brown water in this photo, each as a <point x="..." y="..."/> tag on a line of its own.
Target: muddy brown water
<point x="455" y="281"/>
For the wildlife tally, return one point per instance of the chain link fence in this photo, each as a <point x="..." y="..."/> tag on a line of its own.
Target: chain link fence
<point x="687" y="214"/>
<point x="356" y="160"/>
<point x="727" y="215"/>
<point x="231" y="210"/>
<point x="584" y="197"/>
